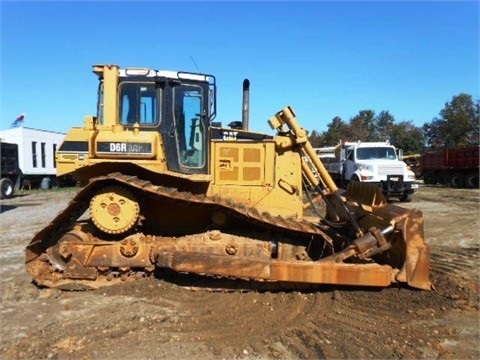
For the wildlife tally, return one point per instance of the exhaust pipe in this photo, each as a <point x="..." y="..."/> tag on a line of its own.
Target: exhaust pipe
<point x="246" y="104"/>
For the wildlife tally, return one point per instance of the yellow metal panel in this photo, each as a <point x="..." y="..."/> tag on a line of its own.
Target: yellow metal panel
<point x="254" y="174"/>
<point x="251" y="155"/>
<point x="228" y="152"/>
<point x="110" y="98"/>
<point x="269" y="165"/>
<point x="234" y="163"/>
<point x="229" y="175"/>
<point x="251" y="173"/>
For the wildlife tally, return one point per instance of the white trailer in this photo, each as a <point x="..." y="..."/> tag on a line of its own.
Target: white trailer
<point x="36" y="154"/>
<point x="378" y="163"/>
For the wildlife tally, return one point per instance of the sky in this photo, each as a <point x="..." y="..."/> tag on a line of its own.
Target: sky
<point x="324" y="59"/>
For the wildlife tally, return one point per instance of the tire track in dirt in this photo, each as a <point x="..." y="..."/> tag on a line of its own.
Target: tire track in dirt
<point x="392" y="322"/>
<point x="330" y="322"/>
<point x="457" y="260"/>
<point x="353" y="317"/>
<point x="229" y="321"/>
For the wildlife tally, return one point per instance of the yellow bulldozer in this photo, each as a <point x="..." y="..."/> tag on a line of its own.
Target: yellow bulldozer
<point x="164" y="186"/>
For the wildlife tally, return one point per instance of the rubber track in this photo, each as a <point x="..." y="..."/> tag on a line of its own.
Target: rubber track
<point x="79" y="204"/>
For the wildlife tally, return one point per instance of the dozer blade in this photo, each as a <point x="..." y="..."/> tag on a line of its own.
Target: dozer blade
<point x="413" y="258"/>
<point x="416" y="269"/>
<point x="388" y="234"/>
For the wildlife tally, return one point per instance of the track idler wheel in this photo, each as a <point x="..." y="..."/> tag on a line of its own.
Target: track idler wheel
<point x="60" y="254"/>
<point x="114" y="210"/>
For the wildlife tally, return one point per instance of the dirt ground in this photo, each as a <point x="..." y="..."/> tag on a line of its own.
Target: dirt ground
<point x="167" y="319"/>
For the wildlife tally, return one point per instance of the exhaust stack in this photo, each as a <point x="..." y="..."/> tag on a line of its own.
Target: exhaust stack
<point x="246" y="104"/>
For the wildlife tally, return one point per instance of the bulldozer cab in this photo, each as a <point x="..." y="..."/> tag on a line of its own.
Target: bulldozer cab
<point x="178" y="105"/>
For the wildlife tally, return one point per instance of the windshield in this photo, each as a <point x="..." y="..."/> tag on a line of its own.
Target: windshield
<point x="383" y="153"/>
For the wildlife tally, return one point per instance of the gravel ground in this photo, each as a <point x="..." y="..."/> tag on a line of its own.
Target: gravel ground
<point x="163" y="318"/>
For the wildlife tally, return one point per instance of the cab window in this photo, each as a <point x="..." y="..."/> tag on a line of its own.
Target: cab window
<point x="100" y="104"/>
<point x="139" y="103"/>
<point x="350" y="155"/>
<point x="190" y="129"/>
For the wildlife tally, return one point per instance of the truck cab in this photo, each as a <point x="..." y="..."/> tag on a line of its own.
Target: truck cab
<point x="10" y="172"/>
<point x="373" y="162"/>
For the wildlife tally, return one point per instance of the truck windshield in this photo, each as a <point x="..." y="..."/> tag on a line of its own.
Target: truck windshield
<point x="380" y="153"/>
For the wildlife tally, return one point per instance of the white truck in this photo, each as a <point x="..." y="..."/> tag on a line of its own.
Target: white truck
<point x="35" y="151"/>
<point x="379" y="163"/>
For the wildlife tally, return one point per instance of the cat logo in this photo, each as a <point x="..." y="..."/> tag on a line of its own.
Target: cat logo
<point x="230" y="135"/>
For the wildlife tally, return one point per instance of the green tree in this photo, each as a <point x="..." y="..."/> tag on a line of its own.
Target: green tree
<point x="363" y="126"/>
<point x="336" y="130"/>
<point x="315" y="138"/>
<point x="405" y="135"/>
<point x="384" y="122"/>
<point x="457" y="125"/>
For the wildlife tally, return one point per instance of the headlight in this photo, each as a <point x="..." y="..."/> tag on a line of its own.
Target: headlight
<point x="366" y="172"/>
<point x="410" y="175"/>
<point x="364" y="167"/>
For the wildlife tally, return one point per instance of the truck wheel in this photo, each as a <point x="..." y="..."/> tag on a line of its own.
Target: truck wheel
<point x="405" y="197"/>
<point x="6" y="188"/>
<point x="457" y="180"/>
<point x="429" y="178"/>
<point x="471" y="181"/>
<point x="444" y="178"/>
<point x="355" y="178"/>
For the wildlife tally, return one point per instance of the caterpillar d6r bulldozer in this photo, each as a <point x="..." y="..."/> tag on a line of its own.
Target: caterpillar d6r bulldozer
<point x="164" y="186"/>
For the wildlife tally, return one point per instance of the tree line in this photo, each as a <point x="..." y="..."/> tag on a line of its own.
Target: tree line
<point x="456" y="125"/>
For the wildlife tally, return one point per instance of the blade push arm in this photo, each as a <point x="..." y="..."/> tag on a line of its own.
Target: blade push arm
<point x="324" y="184"/>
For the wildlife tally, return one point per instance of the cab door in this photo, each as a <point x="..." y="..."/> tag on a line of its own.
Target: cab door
<point x="350" y="166"/>
<point x="185" y="129"/>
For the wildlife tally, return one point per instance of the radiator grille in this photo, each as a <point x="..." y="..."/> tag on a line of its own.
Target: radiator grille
<point x="396" y="169"/>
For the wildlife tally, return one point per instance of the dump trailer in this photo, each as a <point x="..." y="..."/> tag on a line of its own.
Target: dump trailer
<point x="456" y="167"/>
<point x="10" y="171"/>
<point x="164" y="186"/>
